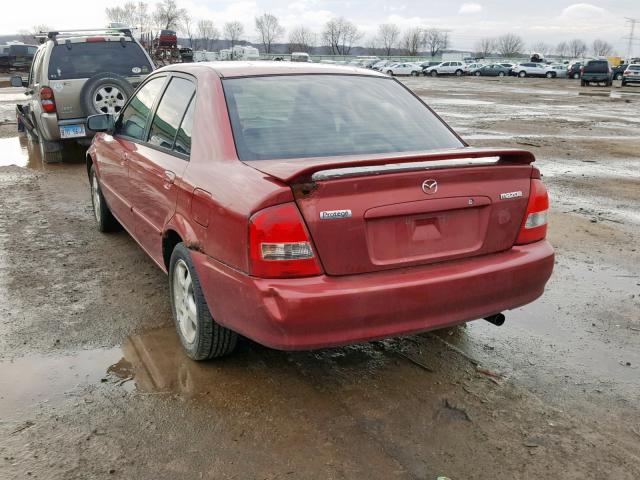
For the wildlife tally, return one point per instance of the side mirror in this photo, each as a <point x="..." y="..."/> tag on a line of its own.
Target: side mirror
<point x="103" y="122"/>
<point x="16" y="81"/>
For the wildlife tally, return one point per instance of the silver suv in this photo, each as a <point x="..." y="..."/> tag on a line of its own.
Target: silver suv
<point x="75" y="74"/>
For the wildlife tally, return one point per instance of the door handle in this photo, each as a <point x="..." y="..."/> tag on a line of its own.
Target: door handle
<point x="125" y="157"/>
<point x="169" y="177"/>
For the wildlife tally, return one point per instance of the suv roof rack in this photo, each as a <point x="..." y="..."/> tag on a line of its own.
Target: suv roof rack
<point x="52" y="35"/>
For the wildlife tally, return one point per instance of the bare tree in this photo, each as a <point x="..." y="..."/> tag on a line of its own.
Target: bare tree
<point x="509" y="45"/>
<point x="413" y="40"/>
<point x="562" y="49"/>
<point x="207" y="32"/>
<point x="542" y="48"/>
<point x="339" y="35"/>
<point x="601" y="48"/>
<point x="186" y="24"/>
<point x="168" y="16"/>
<point x="233" y="31"/>
<point x="388" y="37"/>
<point x="436" y="40"/>
<point x="576" y="48"/>
<point x="486" y="46"/>
<point x="28" y="36"/>
<point x="301" y="39"/>
<point x="269" y="30"/>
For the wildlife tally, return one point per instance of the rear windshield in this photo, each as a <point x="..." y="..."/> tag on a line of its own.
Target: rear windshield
<point x="634" y="67"/>
<point x="84" y="60"/>
<point x="597" y="67"/>
<point x="298" y="116"/>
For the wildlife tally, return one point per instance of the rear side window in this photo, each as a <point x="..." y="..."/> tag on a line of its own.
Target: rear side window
<point x="170" y="111"/>
<point x="297" y="116"/>
<point x="84" y="60"/>
<point x="183" y="138"/>
<point x="133" y="121"/>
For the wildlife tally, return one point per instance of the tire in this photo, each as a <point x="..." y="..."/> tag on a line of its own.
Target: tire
<point x="459" y="73"/>
<point x="576" y="76"/>
<point x="624" y="84"/>
<point x="549" y="75"/>
<point x="583" y="83"/>
<point x="105" y="93"/>
<point x="477" y="74"/>
<point x="434" y="73"/>
<point x="522" y="74"/>
<point x="201" y="337"/>
<point x="104" y="218"/>
<point x="501" y="74"/>
<point x="414" y="74"/>
<point x="618" y="76"/>
<point x="390" y="72"/>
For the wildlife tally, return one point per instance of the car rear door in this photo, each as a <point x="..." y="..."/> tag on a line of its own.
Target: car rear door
<point x="157" y="165"/>
<point x="113" y="152"/>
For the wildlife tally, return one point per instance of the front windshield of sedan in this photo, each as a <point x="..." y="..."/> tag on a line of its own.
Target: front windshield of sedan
<point x="299" y="116"/>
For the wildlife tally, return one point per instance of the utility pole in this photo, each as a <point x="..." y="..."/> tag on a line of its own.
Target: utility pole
<point x="632" y="24"/>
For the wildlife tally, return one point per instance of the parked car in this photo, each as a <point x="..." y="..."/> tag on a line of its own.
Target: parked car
<point x="470" y="68"/>
<point x="618" y="72"/>
<point x="425" y="65"/>
<point x="16" y="56"/>
<point x="495" y="70"/>
<point x="288" y="231"/>
<point x="574" y="70"/>
<point x="595" y="71"/>
<point x="403" y="69"/>
<point x="446" y="68"/>
<point x="531" y="69"/>
<point x="186" y="54"/>
<point x="382" y="63"/>
<point x="74" y="75"/>
<point x="560" y="69"/>
<point x="631" y="74"/>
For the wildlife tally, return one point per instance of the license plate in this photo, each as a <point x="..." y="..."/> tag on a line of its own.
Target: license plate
<point x="72" y="131"/>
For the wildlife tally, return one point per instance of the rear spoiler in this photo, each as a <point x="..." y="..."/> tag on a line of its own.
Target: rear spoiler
<point x="318" y="169"/>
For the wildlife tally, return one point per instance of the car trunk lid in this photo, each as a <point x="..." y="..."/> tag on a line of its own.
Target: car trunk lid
<point x="367" y="215"/>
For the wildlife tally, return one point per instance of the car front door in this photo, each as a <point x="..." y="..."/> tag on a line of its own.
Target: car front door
<point x="157" y="165"/>
<point x="113" y="152"/>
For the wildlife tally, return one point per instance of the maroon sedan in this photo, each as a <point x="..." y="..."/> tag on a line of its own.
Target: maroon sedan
<point x="306" y="206"/>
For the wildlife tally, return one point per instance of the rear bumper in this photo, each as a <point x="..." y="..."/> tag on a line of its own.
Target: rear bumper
<point x="322" y="311"/>
<point x="633" y="79"/>
<point x="50" y="126"/>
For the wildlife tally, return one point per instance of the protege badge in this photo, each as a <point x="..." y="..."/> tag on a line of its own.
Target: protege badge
<point x="505" y="196"/>
<point x="332" y="214"/>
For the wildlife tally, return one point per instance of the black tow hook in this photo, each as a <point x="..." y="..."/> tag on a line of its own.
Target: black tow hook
<point x="497" y="319"/>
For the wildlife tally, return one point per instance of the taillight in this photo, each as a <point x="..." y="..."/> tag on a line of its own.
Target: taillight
<point x="46" y="100"/>
<point x="534" y="224"/>
<point x="627" y="72"/>
<point x="279" y="244"/>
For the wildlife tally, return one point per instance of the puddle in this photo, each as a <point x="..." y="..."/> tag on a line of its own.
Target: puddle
<point x="24" y="152"/>
<point x="40" y="379"/>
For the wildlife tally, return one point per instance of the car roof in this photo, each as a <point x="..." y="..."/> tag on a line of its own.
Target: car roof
<point x="248" y="69"/>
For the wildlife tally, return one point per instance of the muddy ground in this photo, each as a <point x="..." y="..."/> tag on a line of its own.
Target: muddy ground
<point x="93" y="383"/>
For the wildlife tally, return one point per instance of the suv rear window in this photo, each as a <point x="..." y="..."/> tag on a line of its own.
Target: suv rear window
<point x="597" y="67"/>
<point x="298" y="116"/>
<point x="84" y="60"/>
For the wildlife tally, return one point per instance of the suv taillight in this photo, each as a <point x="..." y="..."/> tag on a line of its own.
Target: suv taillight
<point x="46" y="100"/>
<point x="279" y="244"/>
<point x="627" y="72"/>
<point x="534" y="224"/>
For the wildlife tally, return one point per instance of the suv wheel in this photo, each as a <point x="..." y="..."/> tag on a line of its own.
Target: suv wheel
<point x="459" y="73"/>
<point x="477" y="73"/>
<point x="501" y="74"/>
<point x="549" y="75"/>
<point x="201" y="337"/>
<point x="576" y="76"/>
<point x="522" y="74"/>
<point x="414" y="73"/>
<point x="434" y="73"/>
<point x="105" y="93"/>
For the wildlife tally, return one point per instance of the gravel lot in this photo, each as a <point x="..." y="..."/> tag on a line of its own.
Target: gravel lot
<point x="93" y="383"/>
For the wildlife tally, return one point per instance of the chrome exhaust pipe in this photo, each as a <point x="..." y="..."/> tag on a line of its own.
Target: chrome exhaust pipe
<point x="497" y="319"/>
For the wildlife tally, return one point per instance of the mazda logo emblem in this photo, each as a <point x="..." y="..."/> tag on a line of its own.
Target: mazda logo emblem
<point x="430" y="186"/>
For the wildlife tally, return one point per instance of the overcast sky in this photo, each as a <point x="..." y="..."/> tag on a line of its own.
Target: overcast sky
<point x="550" y="21"/>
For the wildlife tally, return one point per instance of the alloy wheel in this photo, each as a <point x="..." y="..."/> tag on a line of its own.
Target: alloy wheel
<point x="95" y="197"/>
<point x="184" y="301"/>
<point x="109" y="99"/>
